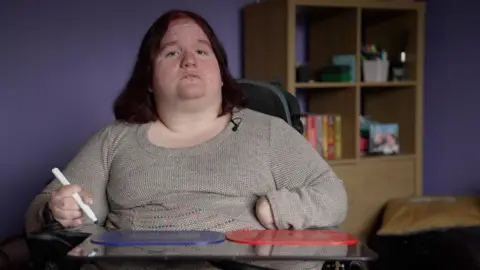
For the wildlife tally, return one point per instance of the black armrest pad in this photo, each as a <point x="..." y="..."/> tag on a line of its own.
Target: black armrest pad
<point x="234" y="265"/>
<point x="69" y="238"/>
<point x="52" y="244"/>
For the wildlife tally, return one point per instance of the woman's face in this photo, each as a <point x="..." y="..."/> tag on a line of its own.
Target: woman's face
<point x="186" y="68"/>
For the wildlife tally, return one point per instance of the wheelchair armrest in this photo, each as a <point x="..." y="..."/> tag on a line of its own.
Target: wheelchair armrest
<point x="52" y="245"/>
<point x="234" y="265"/>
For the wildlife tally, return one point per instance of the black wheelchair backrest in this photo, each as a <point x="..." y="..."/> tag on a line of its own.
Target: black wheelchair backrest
<point x="272" y="99"/>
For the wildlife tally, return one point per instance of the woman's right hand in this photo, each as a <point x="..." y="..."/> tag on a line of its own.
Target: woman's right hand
<point x="64" y="208"/>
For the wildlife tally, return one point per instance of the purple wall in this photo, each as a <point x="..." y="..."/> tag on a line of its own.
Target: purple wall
<point x="63" y="64"/>
<point x="451" y="107"/>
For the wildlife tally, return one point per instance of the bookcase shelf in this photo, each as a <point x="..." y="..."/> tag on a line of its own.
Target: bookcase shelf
<point x="394" y="158"/>
<point x="306" y="44"/>
<point x="323" y="23"/>
<point x="393" y="105"/>
<point x="388" y="84"/>
<point x="316" y="85"/>
<point x="393" y="30"/>
<point x="319" y="85"/>
<point x="338" y="102"/>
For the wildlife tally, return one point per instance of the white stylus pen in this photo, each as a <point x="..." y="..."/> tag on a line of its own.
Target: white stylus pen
<point x="86" y="209"/>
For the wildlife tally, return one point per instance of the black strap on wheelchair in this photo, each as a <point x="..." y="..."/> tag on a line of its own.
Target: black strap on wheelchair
<point x="234" y="265"/>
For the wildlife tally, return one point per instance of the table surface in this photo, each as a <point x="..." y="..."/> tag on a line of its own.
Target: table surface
<point x="88" y="251"/>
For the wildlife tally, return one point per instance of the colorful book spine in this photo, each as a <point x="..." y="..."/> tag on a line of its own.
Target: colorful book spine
<point x="331" y="137"/>
<point x="320" y="145"/>
<point x="312" y="130"/>
<point x="324" y="132"/>
<point x="338" y="137"/>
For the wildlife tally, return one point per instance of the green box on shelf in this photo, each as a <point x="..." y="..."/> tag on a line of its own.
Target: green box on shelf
<point x="346" y="60"/>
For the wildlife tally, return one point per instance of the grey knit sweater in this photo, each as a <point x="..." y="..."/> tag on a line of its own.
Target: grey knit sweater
<point x="140" y="186"/>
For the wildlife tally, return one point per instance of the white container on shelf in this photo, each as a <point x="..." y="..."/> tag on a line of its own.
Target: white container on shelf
<point x="375" y="70"/>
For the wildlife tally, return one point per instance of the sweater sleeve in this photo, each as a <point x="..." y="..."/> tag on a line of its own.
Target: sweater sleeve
<point x="88" y="169"/>
<point x="308" y="193"/>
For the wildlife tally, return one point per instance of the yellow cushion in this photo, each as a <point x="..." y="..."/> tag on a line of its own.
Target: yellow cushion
<point x="410" y="215"/>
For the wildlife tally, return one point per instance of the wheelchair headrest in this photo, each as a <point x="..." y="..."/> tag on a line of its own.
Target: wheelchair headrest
<point x="266" y="98"/>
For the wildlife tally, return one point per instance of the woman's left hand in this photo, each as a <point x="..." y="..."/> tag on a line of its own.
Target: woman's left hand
<point x="264" y="213"/>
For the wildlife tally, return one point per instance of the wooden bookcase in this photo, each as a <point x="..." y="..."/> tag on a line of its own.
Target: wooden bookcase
<point x="342" y="27"/>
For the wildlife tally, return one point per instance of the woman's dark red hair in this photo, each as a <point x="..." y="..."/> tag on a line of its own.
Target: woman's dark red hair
<point x="136" y="103"/>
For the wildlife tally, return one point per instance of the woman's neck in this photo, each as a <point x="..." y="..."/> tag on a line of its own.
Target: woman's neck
<point x="180" y="128"/>
<point x="182" y="120"/>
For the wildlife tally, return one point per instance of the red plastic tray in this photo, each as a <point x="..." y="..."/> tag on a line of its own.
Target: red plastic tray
<point x="291" y="237"/>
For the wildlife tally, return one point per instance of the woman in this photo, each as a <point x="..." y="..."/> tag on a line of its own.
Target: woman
<point x="184" y="154"/>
